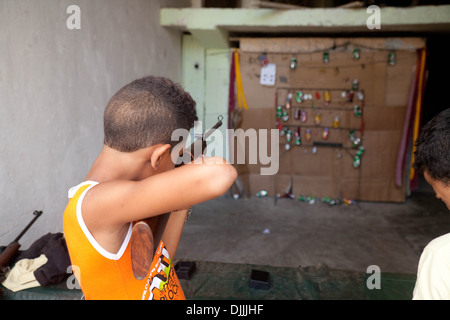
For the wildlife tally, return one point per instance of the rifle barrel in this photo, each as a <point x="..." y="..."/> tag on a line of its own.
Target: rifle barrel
<point x="216" y="126"/>
<point x="37" y="215"/>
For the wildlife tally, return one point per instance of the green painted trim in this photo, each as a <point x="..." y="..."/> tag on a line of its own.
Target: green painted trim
<point x="318" y="19"/>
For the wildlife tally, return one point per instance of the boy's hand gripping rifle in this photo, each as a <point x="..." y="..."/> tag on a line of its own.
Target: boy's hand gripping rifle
<point x="146" y="233"/>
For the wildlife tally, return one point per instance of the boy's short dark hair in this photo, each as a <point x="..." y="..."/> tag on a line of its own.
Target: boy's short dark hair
<point x="433" y="148"/>
<point x="146" y="112"/>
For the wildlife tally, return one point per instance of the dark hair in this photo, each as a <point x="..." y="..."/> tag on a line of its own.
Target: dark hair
<point x="146" y="112"/>
<point x="433" y="148"/>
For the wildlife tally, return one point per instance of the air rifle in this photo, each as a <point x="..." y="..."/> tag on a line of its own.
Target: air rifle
<point x="147" y="233"/>
<point x="11" y="250"/>
<point x="191" y="153"/>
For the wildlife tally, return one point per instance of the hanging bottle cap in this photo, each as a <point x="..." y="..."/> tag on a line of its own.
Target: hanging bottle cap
<point x="392" y="60"/>
<point x="293" y="64"/>
<point x="326" y="57"/>
<point x="285" y="116"/>
<point x="356" y="54"/>
<point x="344" y="94"/>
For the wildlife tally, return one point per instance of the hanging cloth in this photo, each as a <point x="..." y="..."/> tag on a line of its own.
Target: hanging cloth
<point x="418" y="113"/>
<point x="412" y="120"/>
<point x="239" y="86"/>
<point x="406" y="134"/>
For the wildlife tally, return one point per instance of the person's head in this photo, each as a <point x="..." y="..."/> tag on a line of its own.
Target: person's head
<point x="144" y="114"/>
<point x="432" y="155"/>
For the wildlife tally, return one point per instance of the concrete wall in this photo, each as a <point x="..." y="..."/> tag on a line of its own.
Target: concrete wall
<point x="54" y="86"/>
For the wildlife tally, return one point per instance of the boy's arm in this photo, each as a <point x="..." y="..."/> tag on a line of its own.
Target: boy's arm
<point x="112" y="204"/>
<point x="173" y="231"/>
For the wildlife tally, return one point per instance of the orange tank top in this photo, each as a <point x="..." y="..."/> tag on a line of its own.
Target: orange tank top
<point x="108" y="276"/>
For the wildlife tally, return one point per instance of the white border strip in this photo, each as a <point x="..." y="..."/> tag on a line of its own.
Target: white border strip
<point x="89" y="236"/>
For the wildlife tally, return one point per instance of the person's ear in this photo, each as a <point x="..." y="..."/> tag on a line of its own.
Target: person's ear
<point x="160" y="151"/>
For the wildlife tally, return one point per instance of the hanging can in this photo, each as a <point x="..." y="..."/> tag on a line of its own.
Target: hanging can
<point x="336" y="122"/>
<point x="288" y="135"/>
<point x="350" y="96"/>
<point x="392" y="59"/>
<point x="297" y="114"/>
<point x="317" y="119"/>
<point x="356" y="54"/>
<point x="327" y="97"/>
<point x="355" y="85"/>
<point x="326" y="57"/>
<point x="279" y="112"/>
<point x="298" y="137"/>
<point x="357" y="111"/>
<point x="293" y="64"/>
<point x="304" y="116"/>
<point x="299" y="97"/>
<point x="308" y="135"/>
<point x="325" y="133"/>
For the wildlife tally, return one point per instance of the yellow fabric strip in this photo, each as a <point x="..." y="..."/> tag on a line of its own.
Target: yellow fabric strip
<point x="239" y="85"/>
<point x="418" y="109"/>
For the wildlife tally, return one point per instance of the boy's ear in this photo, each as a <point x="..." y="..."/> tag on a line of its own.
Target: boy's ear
<point x="159" y="152"/>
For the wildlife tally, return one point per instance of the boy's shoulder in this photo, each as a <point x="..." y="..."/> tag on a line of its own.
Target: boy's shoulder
<point x="73" y="190"/>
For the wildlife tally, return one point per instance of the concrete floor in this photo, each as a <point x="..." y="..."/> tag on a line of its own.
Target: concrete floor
<point x="293" y="233"/>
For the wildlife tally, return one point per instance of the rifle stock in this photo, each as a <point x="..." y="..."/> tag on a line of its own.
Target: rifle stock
<point x="147" y="233"/>
<point x="7" y="254"/>
<point x="11" y="250"/>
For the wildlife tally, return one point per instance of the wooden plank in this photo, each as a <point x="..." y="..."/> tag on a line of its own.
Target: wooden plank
<point x="330" y="171"/>
<point x="311" y="45"/>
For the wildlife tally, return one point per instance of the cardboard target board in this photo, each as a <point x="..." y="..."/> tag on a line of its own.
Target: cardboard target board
<point x="339" y="105"/>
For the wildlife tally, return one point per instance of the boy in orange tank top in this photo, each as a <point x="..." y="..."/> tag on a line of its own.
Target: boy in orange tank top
<point x="134" y="178"/>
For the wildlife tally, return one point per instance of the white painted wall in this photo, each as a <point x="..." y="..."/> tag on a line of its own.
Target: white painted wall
<point x="54" y="86"/>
